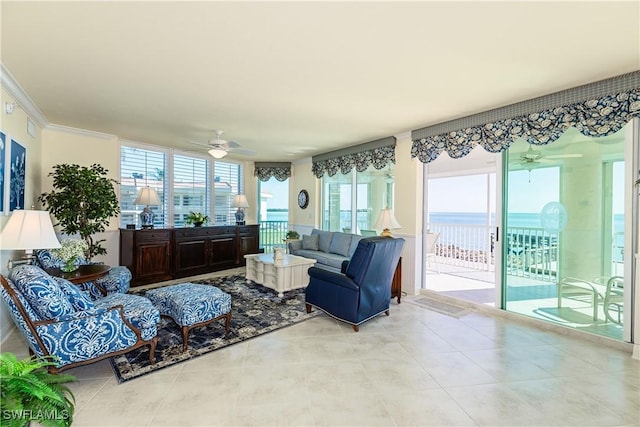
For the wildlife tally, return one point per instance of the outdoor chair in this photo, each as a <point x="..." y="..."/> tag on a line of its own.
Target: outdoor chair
<point x="432" y="241"/>
<point x="608" y="290"/>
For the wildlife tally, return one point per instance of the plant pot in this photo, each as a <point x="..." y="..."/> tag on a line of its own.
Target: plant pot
<point x="197" y="224"/>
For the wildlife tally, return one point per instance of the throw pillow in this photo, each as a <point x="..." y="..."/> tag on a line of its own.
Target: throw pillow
<point x="324" y="239"/>
<point x="340" y="244"/>
<point x="42" y="292"/>
<point x="310" y="242"/>
<point x="79" y="300"/>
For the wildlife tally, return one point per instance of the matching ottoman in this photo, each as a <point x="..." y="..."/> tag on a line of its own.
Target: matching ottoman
<point x="191" y="305"/>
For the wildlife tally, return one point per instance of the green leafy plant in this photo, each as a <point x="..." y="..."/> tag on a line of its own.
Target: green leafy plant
<point x="70" y="251"/>
<point x="196" y="218"/>
<point x="29" y="392"/>
<point x="82" y="200"/>
<point x="292" y="234"/>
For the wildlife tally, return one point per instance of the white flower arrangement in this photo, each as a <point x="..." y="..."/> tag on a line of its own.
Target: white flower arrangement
<point x="70" y="250"/>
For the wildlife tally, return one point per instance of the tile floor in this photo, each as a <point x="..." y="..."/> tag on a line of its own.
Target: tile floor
<point x="415" y="367"/>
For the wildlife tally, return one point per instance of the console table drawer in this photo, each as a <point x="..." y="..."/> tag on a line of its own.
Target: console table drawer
<point x="153" y="235"/>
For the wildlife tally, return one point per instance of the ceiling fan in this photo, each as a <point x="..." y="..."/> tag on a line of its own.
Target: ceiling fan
<point x="218" y="147"/>
<point x="531" y="157"/>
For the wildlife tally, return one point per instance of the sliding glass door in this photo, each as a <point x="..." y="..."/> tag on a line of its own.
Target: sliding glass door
<point x="564" y="238"/>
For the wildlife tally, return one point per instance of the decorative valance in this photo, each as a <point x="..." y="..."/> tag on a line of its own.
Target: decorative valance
<point x="378" y="153"/>
<point x="265" y="170"/>
<point x="596" y="109"/>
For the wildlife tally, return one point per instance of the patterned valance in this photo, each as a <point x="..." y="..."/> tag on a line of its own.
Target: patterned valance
<point x="378" y="153"/>
<point x="265" y="170"/>
<point x="594" y="116"/>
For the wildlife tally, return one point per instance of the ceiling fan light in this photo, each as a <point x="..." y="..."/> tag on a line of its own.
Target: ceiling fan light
<point x="217" y="152"/>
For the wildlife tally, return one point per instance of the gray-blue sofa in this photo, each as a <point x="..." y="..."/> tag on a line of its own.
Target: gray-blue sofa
<point x="329" y="248"/>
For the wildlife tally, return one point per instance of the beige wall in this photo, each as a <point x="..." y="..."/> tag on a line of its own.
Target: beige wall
<point x="14" y="126"/>
<point x="303" y="220"/>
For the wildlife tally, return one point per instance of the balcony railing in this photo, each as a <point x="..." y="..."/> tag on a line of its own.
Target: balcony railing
<point x="531" y="252"/>
<point x="272" y="234"/>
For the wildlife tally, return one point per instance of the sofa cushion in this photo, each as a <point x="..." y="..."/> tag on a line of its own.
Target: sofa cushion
<point x="332" y="260"/>
<point x="79" y="300"/>
<point x="41" y="291"/>
<point x="310" y="242"/>
<point x="324" y="239"/>
<point x="354" y="244"/>
<point x="340" y="244"/>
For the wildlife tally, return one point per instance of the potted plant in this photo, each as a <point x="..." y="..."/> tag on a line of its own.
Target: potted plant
<point x="196" y="218"/>
<point x="292" y="235"/>
<point x="82" y="200"/>
<point x="70" y="251"/>
<point x="29" y="392"/>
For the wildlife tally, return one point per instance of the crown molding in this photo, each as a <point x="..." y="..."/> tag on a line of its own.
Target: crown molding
<point x="77" y="131"/>
<point x="14" y="89"/>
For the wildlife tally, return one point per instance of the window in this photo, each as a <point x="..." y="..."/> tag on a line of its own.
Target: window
<point x="227" y="182"/>
<point x="190" y="189"/>
<point x="356" y="211"/>
<point x="184" y="183"/>
<point x="140" y="168"/>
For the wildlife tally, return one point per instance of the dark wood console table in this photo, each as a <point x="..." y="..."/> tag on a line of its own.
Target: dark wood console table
<point x="396" y="283"/>
<point x="156" y="255"/>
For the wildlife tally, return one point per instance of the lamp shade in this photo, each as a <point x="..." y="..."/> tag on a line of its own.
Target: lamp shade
<point x="217" y="152"/>
<point x="240" y="201"/>
<point x="147" y="196"/>
<point x="27" y="230"/>
<point x="386" y="221"/>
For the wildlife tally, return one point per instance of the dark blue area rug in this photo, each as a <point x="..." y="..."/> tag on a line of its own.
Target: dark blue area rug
<point x="255" y="310"/>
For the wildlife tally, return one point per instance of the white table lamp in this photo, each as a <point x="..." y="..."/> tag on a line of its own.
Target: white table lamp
<point x="386" y="222"/>
<point x="147" y="196"/>
<point x="28" y="230"/>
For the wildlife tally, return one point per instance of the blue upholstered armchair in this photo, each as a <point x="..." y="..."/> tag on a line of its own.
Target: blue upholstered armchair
<point x="59" y="320"/>
<point x="116" y="281"/>
<point x="363" y="291"/>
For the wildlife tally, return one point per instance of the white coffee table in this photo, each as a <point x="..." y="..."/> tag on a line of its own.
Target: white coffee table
<point x="290" y="273"/>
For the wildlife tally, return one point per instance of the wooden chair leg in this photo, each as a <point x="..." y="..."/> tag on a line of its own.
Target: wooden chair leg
<point x="386" y="312"/>
<point x="308" y="307"/>
<point x="152" y="350"/>
<point x="356" y="328"/>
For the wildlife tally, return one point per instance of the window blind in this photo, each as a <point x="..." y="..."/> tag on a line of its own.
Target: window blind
<point x="140" y="168"/>
<point x="190" y="189"/>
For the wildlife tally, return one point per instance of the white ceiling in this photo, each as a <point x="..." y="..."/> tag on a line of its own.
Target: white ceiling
<point x="294" y="79"/>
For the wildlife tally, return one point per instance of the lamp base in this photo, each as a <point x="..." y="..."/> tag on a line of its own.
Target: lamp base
<point x="240" y="222"/>
<point x="147" y="226"/>
<point x="386" y="233"/>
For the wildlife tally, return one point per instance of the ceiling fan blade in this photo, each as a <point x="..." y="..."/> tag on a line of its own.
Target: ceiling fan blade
<point x="564" y="156"/>
<point x="202" y="144"/>
<point x="243" y="151"/>
<point x="545" y="160"/>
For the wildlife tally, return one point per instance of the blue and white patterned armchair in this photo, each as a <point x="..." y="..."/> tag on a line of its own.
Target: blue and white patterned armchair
<point x="116" y="281"/>
<point x="59" y="320"/>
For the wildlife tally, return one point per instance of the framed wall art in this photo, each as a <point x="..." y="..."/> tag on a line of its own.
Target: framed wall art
<point x="17" y="175"/>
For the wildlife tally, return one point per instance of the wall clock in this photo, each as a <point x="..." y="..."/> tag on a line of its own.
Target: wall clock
<point x="303" y="199"/>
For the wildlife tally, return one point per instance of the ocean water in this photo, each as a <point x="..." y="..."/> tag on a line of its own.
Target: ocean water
<point x="514" y="219"/>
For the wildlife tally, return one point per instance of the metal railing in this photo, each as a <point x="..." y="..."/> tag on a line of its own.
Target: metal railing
<point x="469" y="246"/>
<point x="531" y="252"/>
<point x="272" y="234"/>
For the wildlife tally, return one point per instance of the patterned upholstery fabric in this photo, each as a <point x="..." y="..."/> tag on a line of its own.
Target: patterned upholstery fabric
<point x="42" y="292"/>
<point x="79" y="299"/>
<point x="80" y="331"/>
<point x="190" y="303"/>
<point x="116" y="281"/>
<point x="137" y="310"/>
